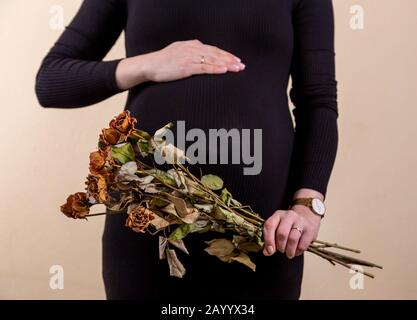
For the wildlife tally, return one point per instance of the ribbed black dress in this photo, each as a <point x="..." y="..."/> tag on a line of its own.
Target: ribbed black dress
<point x="276" y="39"/>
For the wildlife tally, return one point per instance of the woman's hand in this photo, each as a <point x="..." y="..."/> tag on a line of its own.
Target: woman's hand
<point x="290" y="231"/>
<point x="178" y="60"/>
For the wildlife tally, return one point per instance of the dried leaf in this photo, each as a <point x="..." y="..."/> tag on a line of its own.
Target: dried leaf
<point x="180" y="245"/>
<point x="170" y="208"/>
<point x="220" y="248"/>
<point x="194" y="189"/>
<point x="246" y="245"/>
<point x="226" y="196"/>
<point x="160" y="134"/>
<point x="186" y="214"/>
<point x="176" y="268"/>
<point x="146" y="180"/>
<point x="163" y="242"/>
<point x="235" y="202"/>
<point x="207" y="208"/>
<point x="172" y="154"/>
<point x="149" y="188"/>
<point x="127" y="172"/>
<point x="232" y="218"/>
<point x="244" y="259"/>
<point x="212" y="182"/>
<point x="179" y="178"/>
<point x="159" y="223"/>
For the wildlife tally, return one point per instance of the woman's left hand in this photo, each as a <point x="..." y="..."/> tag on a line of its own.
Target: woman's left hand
<point x="290" y="231"/>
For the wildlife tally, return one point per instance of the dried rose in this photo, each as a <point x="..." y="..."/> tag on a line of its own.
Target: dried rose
<point x="98" y="162"/>
<point x="124" y="123"/>
<point x="77" y="206"/>
<point x="139" y="218"/>
<point x="97" y="188"/>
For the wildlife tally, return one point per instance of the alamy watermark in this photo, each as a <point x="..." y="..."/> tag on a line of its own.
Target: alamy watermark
<point x="56" y="280"/>
<point x="357" y="280"/>
<point x="357" y="21"/>
<point x="218" y="146"/>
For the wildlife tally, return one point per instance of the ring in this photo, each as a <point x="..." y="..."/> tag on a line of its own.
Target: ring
<point x="298" y="229"/>
<point x="202" y="60"/>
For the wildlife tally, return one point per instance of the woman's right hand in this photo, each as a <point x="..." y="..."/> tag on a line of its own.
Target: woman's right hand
<point x="178" y="60"/>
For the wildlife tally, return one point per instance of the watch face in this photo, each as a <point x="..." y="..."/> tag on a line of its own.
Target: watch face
<point x="318" y="206"/>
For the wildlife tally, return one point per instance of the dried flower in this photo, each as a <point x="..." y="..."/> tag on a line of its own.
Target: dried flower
<point x="98" y="162"/>
<point x="77" y="206"/>
<point x="110" y="137"/>
<point x="123" y="123"/>
<point x="175" y="201"/>
<point x="139" y="219"/>
<point x="97" y="188"/>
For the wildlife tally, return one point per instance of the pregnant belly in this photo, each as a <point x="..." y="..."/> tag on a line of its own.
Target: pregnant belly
<point x="229" y="102"/>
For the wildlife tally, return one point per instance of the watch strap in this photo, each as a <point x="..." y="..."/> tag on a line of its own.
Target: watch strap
<point x="303" y="201"/>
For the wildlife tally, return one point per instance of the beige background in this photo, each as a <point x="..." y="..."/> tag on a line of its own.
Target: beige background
<point x="44" y="157"/>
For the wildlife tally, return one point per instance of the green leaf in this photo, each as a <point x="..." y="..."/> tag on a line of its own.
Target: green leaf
<point x="165" y="178"/>
<point x="123" y="153"/>
<point x="234" y="219"/>
<point x="143" y="146"/>
<point x="158" y="202"/>
<point x="142" y="134"/>
<point x="182" y="231"/>
<point x="212" y="182"/>
<point x="139" y="135"/>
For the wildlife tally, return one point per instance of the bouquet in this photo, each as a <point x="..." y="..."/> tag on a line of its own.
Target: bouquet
<point x="174" y="203"/>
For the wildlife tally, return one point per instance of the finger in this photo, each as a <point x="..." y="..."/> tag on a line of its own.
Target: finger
<point x="217" y="51"/>
<point x="283" y="230"/>
<point x="218" y="60"/>
<point x="214" y="55"/>
<point x="304" y="243"/>
<point x="203" y="68"/>
<point x="270" y="227"/>
<point x="292" y="243"/>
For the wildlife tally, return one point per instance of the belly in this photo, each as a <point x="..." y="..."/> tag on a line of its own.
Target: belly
<point x="256" y="166"/>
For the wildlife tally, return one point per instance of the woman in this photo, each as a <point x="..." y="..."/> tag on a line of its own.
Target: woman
<point x="217" y="64"/>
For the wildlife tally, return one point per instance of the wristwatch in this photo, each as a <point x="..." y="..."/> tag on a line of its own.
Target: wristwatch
<point x="314" y="204"/>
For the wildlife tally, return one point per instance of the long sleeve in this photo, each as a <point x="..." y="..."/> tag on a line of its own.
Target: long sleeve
<point x="73" y="73"/>
<point x="314" y="95"/>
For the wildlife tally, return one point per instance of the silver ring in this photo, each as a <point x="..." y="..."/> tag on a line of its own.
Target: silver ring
<point x="202" y="60"/>
<point x="298" y="229"/>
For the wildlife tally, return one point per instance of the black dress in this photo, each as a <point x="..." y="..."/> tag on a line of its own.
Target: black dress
<point x="276" y="39"/>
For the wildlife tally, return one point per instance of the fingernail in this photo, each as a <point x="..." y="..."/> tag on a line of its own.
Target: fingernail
<point x="242" y="66"/>
<point x="270" y="250"/>
<point x="237" y="59"/>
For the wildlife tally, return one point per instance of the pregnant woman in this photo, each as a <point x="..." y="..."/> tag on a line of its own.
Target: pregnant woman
<point x="219" y="64"/>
